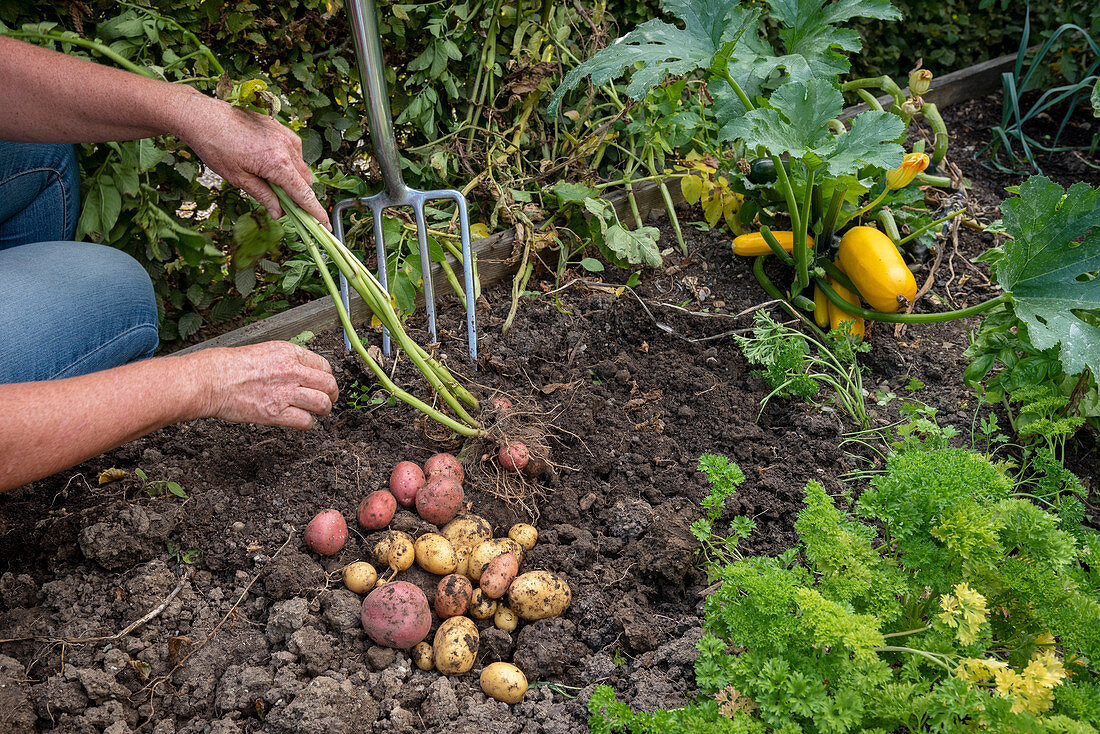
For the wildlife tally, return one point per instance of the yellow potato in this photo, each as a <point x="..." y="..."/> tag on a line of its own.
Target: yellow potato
<point x="467" y="531"/>
<point x="481" y="606"/>
<point x="505" y="619"/>
<point x="455" y="645"/>
<point x="360" y="577"/>
<point x="423" y="656"/>
<point x="487" y="551"/>
<point x="395" y="550"/>
<point x="524" y="534"/>
<point x="435" y="554"/>
<point x="538" y="595"/>
<point x="462" y="553"/>
<point x="504" y="682"/>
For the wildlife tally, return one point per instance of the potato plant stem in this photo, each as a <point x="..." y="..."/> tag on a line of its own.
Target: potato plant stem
<point x="378" y="301"/>
<point x="911" y="318"/>
<point x="376" y="368"/>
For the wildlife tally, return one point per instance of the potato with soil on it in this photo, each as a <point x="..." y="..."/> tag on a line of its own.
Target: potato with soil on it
<point x="487" y="551"/>
<point x="514" y="455"/>
<point x="453" y="595"/>
<point x="439" y="500"/>
<point x="501" y="403"/>
<point x="504" y="682"/>
<point x="498" y="575"/>
<point x="327" y="532"/>
<point x="539" y="594"/>
<point x="395" y="550"/>
<point x="524" y="534"/>
<point x="467" y="531"/>
<point x="376" y="510"/>
<point x="397" y="615"/>
<point x="435" y="554"/>
<point x="444" y="465"/>
<point x="481" y="606"/>
<point x="406" y="480"/>
<point x="505" y="619"/>
<point x="423" y="655"/>
<point x="360" y="577"/>
<point x="462" y="564"/>
<point x="455" y="645"/>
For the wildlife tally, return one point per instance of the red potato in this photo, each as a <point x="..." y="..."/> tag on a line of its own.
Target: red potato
<point x="406" y="480"/>
<point x="397" y="615"/>
<point x="327" y="532"/>
<point x="501" y="403"/>
<point x="440" y="500"/>
<point x="444" y="465"/>
<point x="376" y="510"/>
<point x="499" y="574"/>
<point x="514" y="456"/>
<point x="452" y="596"/>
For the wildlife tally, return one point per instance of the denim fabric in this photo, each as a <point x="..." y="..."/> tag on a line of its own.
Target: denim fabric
<point x="66" y="308"/>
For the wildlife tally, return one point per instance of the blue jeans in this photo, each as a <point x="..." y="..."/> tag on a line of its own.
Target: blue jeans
<point x="66" y="308"/>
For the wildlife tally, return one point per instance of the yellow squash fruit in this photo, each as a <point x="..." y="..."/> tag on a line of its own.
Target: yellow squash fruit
<point x="821" y="307"/>
<point x="754" y="243"/>
<point x="868" y="257"/>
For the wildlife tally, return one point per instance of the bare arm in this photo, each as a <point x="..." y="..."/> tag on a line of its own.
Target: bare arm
<point x="49" y="97"/>
<point x="48" y="426"/>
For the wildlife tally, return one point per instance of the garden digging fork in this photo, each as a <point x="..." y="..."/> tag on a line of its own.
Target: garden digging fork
<point x="368" y="51"/>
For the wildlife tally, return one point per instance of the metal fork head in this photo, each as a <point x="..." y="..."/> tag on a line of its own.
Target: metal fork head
<point x="414" y="199"/>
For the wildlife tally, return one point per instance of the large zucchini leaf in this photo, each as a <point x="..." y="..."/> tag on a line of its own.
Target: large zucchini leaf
<point x="1049" y="267"/>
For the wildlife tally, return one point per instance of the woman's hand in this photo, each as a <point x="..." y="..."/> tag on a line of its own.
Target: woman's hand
<point x="248" y="149"/>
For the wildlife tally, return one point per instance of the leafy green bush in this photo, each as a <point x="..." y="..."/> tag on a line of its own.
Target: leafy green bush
<point x="944" y="603"/>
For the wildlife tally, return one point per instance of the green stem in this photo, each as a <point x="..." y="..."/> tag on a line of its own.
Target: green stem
<point x="884" y="83"/>
<point x="783" y="183"/>
<point x="929" y="226"/>
<point x="96" y="46"/>
<point x="912" y="318"/>
<point x="869" y="99"/>
<point x="771" y="290"/>
<point x="749" y="106"/>
<point x="907" y="632"/>
<point x="379" y="373"/>
<point x="773" y="243"/>
<point x="670" y="208"/>
<point x="801" y="248"/>
<point x="939" y="145"/>
<point x="863" y="210"/>
<point x="828" y="224"/>
<point x="933" y="657"/>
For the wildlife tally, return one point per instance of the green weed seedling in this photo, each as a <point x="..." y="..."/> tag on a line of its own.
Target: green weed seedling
<point x="159" y="487"/>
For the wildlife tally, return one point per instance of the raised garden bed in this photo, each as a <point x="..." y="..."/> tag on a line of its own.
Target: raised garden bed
<point x="256" y="634"/>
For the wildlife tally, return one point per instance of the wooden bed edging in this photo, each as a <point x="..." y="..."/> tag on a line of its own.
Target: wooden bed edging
<point x="494" y="254"/>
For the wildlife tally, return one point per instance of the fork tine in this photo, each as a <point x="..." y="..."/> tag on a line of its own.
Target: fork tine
<point x="425" y="265"/>
<point x="467" y="273"/>
<point x="376" y="210"/>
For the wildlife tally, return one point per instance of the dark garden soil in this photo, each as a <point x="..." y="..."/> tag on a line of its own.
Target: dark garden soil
<point x="111" y="631"/>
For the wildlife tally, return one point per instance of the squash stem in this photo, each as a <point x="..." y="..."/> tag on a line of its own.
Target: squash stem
<point x="911" y="318"/>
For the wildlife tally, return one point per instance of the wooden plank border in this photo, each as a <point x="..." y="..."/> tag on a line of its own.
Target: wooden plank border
<point x="495" y="254"/>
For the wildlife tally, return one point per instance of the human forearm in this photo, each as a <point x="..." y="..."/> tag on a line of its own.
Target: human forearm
<point x="54" y="98"/>
<point x="48" y="426"/>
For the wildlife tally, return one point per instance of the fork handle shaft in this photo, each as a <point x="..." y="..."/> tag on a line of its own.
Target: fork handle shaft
<point x="372" y="75"/>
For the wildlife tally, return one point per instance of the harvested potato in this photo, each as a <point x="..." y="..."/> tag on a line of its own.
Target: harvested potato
<point x="481" y="606"/>
<point x="455" y="645"/>
<point x="376" y="510"/>
<point x="439" y="500"/>
<point x="360" y="577"/>
<point x="444" y="465"/>
<point x="435" y="554"/>
<point x="406" y="479"/>
<point x="327" y="532"/>
<point x="538" y="595"/>
<point x="397" y="615"/>
<point x="423" y="655"/>
<point x="452" y="595"/>
<point x="467" y="531"/>
<point x="395" y="550"/>
<point x="514" y="456"/>
<point x="504" y="682"/>
<point x="524" y="534"/>
<point x="505" y="619"/>
<point x="487" y="551"/>
<point x="498" y="575"/>
<point x="463" y="560"/>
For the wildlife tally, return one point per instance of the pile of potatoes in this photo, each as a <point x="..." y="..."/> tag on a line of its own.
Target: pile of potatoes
<point x="480" y="575"/>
